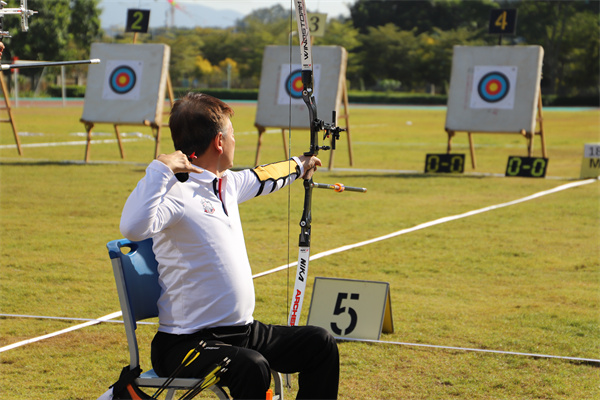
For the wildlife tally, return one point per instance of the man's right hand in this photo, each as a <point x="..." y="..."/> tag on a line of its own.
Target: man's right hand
<point x="178" y="162"/>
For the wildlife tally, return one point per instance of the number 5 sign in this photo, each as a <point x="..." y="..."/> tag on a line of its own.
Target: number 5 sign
<point x="351" y="308"/>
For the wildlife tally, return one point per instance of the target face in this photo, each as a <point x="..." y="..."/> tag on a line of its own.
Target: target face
<point x="494" y="87"/>
<point x="122" y="79"/>
<point x="294" y="85"/>
<point x="290" y="84"/>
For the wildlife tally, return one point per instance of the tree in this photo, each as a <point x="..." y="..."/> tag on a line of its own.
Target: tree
<point x="569" y="32"/>
<point x="385" y="53"/>
<point x="84" y="25"/>
<point x="432" y="57"/>
<point x="421" y="15"/>
<point x="340" y="33"/>
<point x="84" y="29"/>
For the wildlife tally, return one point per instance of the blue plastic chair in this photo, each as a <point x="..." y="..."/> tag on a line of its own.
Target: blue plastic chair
<point x="136" y="276"/>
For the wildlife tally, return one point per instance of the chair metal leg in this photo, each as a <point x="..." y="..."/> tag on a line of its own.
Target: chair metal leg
<point x="278" y="382"/>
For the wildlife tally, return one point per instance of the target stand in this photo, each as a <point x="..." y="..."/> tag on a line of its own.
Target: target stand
<point x="280" y="103"/>
<point x="11" y="118"/>
<point x="127" y="88"/>
<point x="496" y="89"/>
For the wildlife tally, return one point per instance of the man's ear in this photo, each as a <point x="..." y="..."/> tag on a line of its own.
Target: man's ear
<point x="218" y="142"/>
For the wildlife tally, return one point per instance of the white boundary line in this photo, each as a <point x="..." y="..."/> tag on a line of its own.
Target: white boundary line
<point x="469" y="349"/>
<point x="70" y="329"/>
<point x="430" y="224"/>
<point x="352" y="246"/>
<point x="70" y="319"/>
<point x="71" y="143"/>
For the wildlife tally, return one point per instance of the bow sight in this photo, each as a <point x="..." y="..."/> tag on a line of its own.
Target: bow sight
<point x="23" y="11"/>
<point x="330" y="130"/>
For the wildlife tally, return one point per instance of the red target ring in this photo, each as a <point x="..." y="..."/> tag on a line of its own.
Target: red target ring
<point x="493" y="87"/>
<point x="122" y="79"/>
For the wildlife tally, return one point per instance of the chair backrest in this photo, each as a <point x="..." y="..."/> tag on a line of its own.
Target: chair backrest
<point x="136" y="277"/>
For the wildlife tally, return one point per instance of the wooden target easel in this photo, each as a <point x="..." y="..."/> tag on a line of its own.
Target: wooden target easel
<point x="156" y="127"/>
<point x="496" y="89"/>
<point x="281" y="108"/>
<point x="127" y="88"/>
<point x="530" y="136"/>
<point x="11" y="118"/>
<point x="345" y="116"/>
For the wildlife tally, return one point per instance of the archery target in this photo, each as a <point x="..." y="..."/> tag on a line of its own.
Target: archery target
<point x="493" y="87"/>
<point x="291" y="86"/>
<point x="122" y="80"/>
<point x="129" y="84"/>
<point x="294" y="85"/>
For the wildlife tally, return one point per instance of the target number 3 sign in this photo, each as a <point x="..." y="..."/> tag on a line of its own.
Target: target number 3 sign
<point x="351" y="308"/>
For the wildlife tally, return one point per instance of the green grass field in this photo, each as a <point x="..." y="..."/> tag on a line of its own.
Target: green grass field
<point x="523" y="278"/>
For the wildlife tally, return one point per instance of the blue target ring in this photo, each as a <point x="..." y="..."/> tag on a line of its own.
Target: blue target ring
<point x="493" y="87"/>
<point x="294" y="85"/>
<point x="122" y="79"/>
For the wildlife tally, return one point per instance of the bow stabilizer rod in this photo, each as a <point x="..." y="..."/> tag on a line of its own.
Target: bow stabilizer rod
<point x="338" y="187"/>
<point x="42" y="64"/>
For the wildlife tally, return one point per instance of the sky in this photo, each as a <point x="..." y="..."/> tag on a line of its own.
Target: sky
<point x="194" y="12"/>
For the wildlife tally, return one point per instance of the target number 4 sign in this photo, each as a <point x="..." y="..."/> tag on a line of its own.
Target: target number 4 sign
<point x="351" y="308"/>
<point x="503" y="21"/>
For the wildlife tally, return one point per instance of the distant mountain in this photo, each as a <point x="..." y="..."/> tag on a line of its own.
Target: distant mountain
<point x="189" y="15"/>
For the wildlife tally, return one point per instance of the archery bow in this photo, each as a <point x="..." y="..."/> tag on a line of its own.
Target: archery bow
<point x="316" y="125"/>
<point x="25" y="13"/>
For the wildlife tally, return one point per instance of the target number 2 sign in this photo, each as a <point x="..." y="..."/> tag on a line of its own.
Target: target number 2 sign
<point x="494" y="87"/>
<point x="351" y="308"/>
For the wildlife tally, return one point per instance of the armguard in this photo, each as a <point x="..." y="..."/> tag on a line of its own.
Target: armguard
<point x="278" y="173"/>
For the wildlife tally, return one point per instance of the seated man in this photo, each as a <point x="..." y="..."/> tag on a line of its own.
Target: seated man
<point x="204" y="272"/>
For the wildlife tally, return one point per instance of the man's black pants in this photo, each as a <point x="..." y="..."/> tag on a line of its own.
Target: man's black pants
<point x="254" y="350"/>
